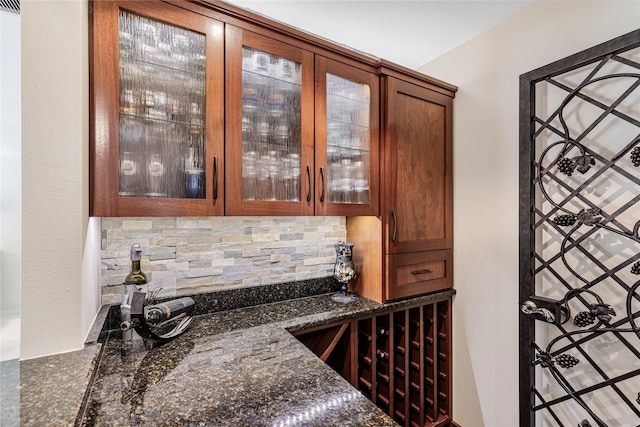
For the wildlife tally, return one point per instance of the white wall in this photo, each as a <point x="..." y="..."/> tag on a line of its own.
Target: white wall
<point x="10" y="154"/>
<point x="487" y="70"/>
<point x="59" y="283"/>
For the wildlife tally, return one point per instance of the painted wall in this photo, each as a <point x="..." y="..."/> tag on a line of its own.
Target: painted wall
<point x="10" y="158"/>
<point x="60" y="276"/>
<point x="487" y="70"/>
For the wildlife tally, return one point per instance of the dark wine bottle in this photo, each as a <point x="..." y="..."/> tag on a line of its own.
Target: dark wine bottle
<point x="383" y="332"/>
<point x="135" y="281"/>
<point x="382" y="354"/>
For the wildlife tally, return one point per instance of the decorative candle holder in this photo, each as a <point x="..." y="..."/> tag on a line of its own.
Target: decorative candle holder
<point x="344" y="271"/>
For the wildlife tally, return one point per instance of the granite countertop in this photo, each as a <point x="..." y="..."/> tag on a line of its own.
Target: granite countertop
<point x="239" y="367"/>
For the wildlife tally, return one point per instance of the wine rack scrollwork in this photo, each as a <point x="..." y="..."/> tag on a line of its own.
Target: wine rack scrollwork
<point x="580" y="237"/>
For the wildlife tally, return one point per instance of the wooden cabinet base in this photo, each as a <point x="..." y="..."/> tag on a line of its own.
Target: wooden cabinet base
<point x="400" y="359"/>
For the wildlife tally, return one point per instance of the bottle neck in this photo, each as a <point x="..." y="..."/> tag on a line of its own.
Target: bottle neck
<point x="135" y="266"/>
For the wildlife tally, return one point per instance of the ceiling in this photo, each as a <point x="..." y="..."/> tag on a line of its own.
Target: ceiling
<point x="409" y="33"/>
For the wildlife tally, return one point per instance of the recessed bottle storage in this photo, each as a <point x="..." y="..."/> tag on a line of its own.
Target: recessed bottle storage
<point x="400" y="365"/>
<point x="333" y="344"/>
<point x="444" y="354"/>
<point x="366" y="368"/>
<point x="429" y="364"/>
<point x="383" y="362"/>
<point x="162" y="109"/>
<point x="416" y="388"/>
<point x="411" y="363"/>
<point x="403" y="360"/>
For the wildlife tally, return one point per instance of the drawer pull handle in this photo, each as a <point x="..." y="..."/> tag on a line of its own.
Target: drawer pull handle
<point x="418" y="272"/>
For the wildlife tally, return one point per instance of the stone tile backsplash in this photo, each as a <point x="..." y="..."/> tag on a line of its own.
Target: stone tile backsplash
<point x="187" y="255"/>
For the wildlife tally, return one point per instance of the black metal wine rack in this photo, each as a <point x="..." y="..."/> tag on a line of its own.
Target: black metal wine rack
<point x="580" y="238"/>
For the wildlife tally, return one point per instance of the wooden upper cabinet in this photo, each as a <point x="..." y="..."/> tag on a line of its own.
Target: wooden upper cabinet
<point x="269" y="126"/>
<point x="346" y="140"/>
<point x="417" y="195"/>
<point x="157" y="138"/>
<point x="202" y="109"/>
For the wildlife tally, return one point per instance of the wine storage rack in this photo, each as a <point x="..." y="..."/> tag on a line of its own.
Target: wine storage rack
<point x="401" y="360"/>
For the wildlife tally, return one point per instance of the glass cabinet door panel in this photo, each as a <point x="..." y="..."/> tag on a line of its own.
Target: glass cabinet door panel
<point x="348" y="162"/>
<point x="271" y="117"/>
<point x="162" y="109"/>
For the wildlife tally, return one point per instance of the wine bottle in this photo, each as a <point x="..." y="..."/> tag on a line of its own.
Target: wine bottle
<point x="382" y="354"/>
<point x="136" y="276"/>
<point x="136" y="280"/>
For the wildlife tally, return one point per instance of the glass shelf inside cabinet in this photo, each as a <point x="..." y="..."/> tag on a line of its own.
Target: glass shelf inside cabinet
<point x="271" y="117"/>
<point x="162" y="109"/>
<point x="348" y="107"/>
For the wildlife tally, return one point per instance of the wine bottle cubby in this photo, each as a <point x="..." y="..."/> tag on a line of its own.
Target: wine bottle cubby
<point x="401" y="362"/>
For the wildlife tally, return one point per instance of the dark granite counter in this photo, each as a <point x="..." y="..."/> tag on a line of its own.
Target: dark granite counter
<point x="239" y="367"/>
<point x="47" y="391"/>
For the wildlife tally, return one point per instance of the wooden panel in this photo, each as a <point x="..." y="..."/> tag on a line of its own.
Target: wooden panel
<point x="365" y="232"/>
<point x="418" y="273"/>
<point x="335" y="345"/>
<point x="418" y="165"/>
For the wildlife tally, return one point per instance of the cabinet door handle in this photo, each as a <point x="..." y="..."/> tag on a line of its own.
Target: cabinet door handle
<point x="322" y="183"/>
<point x="395" y="226"/>
<point x="418" y="272"/>
<point x="309" y="182"/>
<point x="215" y="177"/>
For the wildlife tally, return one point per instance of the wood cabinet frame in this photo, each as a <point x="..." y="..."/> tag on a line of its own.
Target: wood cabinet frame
<point x="236" y="38"/>
<point x="104" y="112"/>
<point x="322" y="207"/>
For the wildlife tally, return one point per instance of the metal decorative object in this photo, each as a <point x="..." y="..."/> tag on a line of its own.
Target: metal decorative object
<point x="580" y="238"/>
<point x="344" y="271"/>
<point x="157" y="322"/>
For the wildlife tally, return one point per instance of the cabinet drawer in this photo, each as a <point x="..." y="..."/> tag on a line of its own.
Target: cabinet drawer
<point x="418" y="273"/>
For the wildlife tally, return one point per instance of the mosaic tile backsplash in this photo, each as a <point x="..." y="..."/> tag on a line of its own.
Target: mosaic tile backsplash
<point x="189" y="255"/>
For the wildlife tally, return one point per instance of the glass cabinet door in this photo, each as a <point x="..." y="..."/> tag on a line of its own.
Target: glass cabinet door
<point x="271" y="92"/>
<point x="346" y="139"/>
<point x="270" y="167"/>
<point x="162" y="109"/>
<point x="165" y="157"/>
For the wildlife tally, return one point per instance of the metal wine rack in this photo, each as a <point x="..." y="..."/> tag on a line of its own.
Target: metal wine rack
<point x="580" y="238"/>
